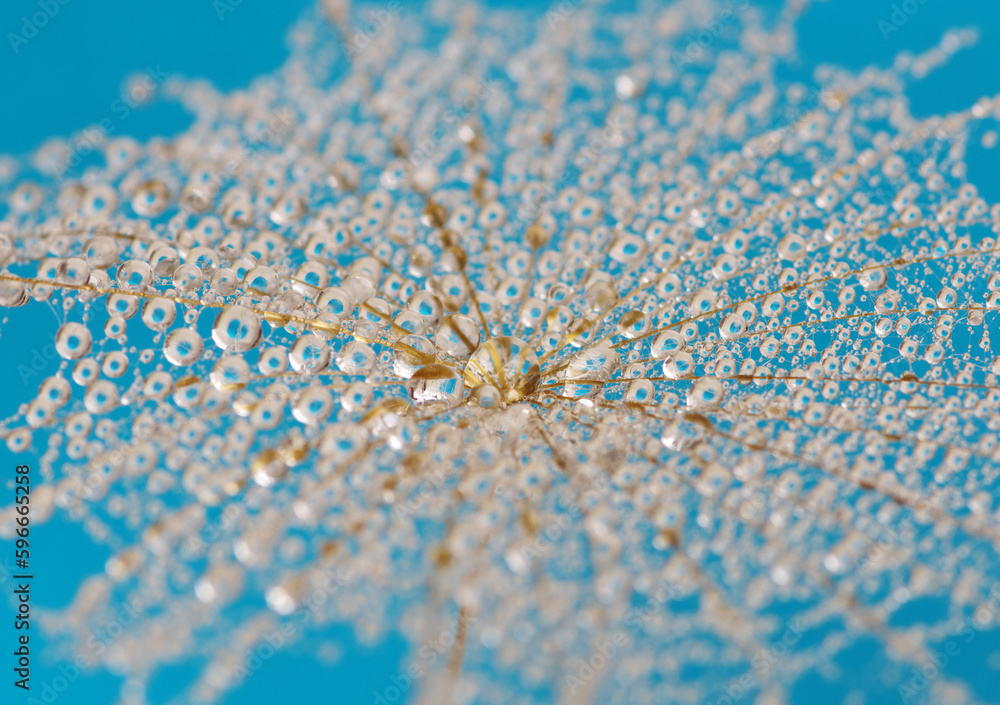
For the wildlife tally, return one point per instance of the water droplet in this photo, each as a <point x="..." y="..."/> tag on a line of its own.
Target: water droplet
<point x="508" y="364"/>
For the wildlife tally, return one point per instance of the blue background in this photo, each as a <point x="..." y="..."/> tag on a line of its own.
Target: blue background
<point x="67" y="77"/>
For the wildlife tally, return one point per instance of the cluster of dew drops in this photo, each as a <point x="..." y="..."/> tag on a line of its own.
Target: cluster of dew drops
<point x="540" y="331"/>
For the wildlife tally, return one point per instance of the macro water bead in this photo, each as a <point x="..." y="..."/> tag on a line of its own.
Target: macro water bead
<point x="506" y="363"/>
<point x="595" y="353"/>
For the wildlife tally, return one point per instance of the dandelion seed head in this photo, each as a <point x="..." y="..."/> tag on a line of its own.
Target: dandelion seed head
<point x="536" y="341"/>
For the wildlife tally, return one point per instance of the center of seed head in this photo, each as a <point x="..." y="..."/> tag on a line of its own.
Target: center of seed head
<point x="507" y="364"/>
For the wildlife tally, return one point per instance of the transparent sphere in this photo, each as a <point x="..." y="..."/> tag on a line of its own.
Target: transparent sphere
<point x="507" y="363"/>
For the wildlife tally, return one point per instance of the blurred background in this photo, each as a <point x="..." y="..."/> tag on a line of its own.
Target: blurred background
<point x="70" y="73"/>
